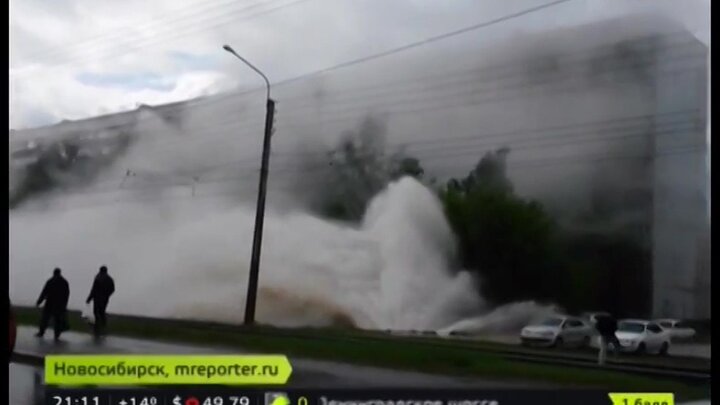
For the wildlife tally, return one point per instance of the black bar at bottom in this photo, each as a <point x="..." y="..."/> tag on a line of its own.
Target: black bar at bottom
<point x="275" y="396"/>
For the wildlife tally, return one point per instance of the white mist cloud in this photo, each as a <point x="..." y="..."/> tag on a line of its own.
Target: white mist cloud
<point x="315" y="270"/>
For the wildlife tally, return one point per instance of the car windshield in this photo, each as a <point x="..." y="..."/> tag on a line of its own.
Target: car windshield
<point x="551" y="322"/>
<point x="631" y="327"/>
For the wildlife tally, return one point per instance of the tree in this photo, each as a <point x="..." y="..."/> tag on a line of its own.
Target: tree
<point x="509" y="242"/>
<point x="358" y="169"/>
<point x="611" y="272"/>
<point x="405" y="166"/>
<point x="520" y="253"/>
<point x="489" y="173"/>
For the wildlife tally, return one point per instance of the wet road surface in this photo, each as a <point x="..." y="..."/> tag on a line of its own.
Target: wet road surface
<point x="306" y="373"/>
<point x="25" y="382"/>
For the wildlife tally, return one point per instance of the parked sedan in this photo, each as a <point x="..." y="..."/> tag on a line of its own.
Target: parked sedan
<point x="641" y="336"/>
<point x="678" y="329"/>
<point x="557" y="331"/>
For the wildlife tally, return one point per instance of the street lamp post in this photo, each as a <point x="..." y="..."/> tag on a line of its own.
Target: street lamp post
<point x="262" y="189"/>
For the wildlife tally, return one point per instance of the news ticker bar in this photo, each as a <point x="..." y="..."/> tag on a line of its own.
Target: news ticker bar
<point x="230" y="396"/>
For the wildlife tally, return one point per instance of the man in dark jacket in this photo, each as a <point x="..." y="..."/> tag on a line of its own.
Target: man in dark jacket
<point x="606" y="326"/>
<point x="103" y="287"/>
<point x="55" y="294"/>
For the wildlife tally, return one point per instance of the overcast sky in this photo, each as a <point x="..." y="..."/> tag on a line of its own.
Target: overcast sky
<point x="71" y="59"/>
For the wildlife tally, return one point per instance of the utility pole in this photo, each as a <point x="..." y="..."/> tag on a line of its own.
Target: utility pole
<point x="259" y="216"/>
<point x="262" y="190"/>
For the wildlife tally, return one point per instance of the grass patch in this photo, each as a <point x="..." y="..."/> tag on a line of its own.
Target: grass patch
<point x="406" y="354"/>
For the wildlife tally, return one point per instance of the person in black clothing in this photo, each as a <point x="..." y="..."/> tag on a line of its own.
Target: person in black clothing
<point x="103" y="287"/>
<point x="607" y="326"/>
<point x="55" y="294"/>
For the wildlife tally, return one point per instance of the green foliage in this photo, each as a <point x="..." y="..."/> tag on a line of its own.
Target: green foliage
<point x="509" y="242"/>
<point x="489" y="174"/>
<point x="61" y="164"/>
<point x="614" y="272"/>
<point x="405" y="166"/>
<point x="360" y="170"/>
<point x="520" y="253"/>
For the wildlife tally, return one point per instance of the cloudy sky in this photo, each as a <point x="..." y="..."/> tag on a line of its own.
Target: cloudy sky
<point x="71" y="59"/>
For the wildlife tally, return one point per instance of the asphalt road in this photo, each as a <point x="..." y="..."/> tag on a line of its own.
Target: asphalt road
<point x="26" y="387"/>
<point x="306" y="373"/>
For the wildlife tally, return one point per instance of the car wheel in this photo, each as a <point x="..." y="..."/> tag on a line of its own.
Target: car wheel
<point x="664" y="349"/>
<point x="640" y="349"/>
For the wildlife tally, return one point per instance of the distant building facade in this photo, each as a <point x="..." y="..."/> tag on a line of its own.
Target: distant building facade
<point x="680" y="222"/>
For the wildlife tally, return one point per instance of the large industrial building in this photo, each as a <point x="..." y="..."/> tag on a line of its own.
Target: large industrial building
<point x="660" y="193"/>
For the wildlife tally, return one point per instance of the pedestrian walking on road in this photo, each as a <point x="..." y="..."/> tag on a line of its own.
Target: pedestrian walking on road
<point x="103" y="287"/>
<point x="606" y="326"/>
<point x="55" y="295"/>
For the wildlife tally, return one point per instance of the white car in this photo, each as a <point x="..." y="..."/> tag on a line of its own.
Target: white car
<point x="641" y="336"/>
<point x="558" y="331"/>
<point x="677" y="328"/>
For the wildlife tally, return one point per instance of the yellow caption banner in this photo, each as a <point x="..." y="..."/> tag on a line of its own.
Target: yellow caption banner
<point x="128" y="370"/>
<point x="642" y="398"/>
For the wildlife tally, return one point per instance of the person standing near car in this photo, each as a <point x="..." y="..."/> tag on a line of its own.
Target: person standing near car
<point x="606" y="326"/>
<point x="55" y="295"/>
<point x="103" y="287"/>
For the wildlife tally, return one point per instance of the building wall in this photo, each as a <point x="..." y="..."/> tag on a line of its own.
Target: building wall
<point x="680" y="219"/>
<point x="703" y="294"/>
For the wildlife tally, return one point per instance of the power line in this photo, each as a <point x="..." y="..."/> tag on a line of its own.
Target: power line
<point x="227" y="19"/>
<point x="398" y="49"/>
<point x="423" y="105"/>
<point x="529" y="164"/>
<point x="514" y="68"/>
<point x="193" y="179"/>
<point x="417" y="43"/>
<point x="434" y="102"/>
<point x="394" y="97"/>
<point x="470" y="85"/>
<point x="221" y="98"/>
<point x="448" y="144"/>
<point x="192" y="13"/>
<point x="449" y="101"/>
<point x="506" y="66"/>
<point x="615" y="125"/>
<point x="428" y="40"/>
<point x="599" y="126"/>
